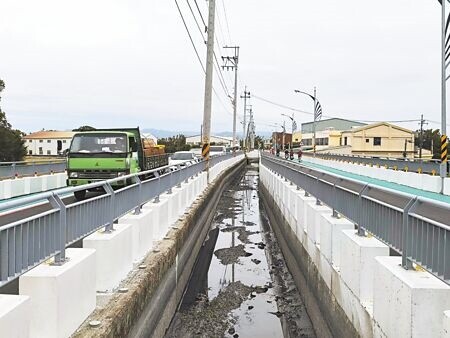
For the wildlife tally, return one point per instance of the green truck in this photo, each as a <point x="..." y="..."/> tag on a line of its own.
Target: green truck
<point x="108" y="153"/>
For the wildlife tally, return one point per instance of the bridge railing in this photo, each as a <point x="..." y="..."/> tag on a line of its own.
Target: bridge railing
<point x="391" y="163"/>
<point x="28" y="242"/>
<point x="14" y="169"/>
<point x="416" y="227"/>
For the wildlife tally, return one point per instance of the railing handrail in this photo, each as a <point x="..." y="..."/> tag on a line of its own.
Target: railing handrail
<point x="404" y="228"/>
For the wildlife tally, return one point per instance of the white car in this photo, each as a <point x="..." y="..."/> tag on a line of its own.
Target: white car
<point x="217" y="150"/>
<point x="182" y="158"/>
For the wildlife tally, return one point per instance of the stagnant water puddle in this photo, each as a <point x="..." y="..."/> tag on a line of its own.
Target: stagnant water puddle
<point x="240" y="286"/>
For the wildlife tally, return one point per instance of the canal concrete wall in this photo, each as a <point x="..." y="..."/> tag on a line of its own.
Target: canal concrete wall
<point x="29" y="185"/>
<point x="350" y="284"/>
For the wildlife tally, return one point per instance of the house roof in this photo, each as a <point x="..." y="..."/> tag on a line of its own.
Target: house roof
<point x="49" y="134"/>
<point x="334" y="123"/>
<point x="374" y="125"/>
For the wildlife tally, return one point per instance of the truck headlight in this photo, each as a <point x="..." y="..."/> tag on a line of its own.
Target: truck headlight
<point x="73" y="175"/>
<point x="121" y="173"/>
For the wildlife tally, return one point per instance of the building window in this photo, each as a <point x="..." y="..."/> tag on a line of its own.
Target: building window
<point x="64" y="141"/>
<point x="49" y="152"/>
<point x="40" y="141"/>
<point x="40" y="151"/>
<point x="367" y="140"/>
<point x="49" y="141"/>
<point x="345" y="140"/>
<point x="29" y="141"/>
<point x="30" y="152"/>
<point x="377" y="141"/>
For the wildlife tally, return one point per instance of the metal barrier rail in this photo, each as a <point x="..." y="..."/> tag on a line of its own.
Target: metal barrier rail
<point x="416" y="227"/>
<point x="13" y="169"/>
<point x="396" y="164"/>
<point x="26" y="243"/>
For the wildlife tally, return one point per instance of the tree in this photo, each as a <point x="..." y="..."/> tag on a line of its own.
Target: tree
<point x="174" y="143"/>
<point x="12" y="146"/>
<point x="431" y="138"/>
<point x="84" y="128"/>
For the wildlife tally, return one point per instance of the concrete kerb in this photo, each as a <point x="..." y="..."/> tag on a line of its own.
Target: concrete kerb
<point x="119" y="316"/>
<point x="63" y="296"/>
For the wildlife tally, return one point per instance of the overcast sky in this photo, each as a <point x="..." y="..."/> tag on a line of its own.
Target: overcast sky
<point x="130" y="63"/>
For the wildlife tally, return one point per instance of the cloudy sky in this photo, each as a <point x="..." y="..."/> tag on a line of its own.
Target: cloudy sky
<point x="130" y="63"/>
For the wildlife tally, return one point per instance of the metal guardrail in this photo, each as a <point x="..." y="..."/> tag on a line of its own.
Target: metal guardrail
<point x="26" y="243"/>
<point x="396" y="164"/>
<point x="416" y="227"/>
<point x="19" y="169"/>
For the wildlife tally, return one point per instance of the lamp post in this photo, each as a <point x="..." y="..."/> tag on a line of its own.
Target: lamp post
<point x="316" y="114"/>
<point x="445" y="55"/>
<point x="292" y="129"/>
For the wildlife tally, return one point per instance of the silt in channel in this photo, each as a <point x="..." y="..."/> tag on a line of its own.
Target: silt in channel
<point x="240" y="286"/>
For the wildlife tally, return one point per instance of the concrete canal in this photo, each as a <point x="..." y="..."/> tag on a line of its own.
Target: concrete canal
<point x="240" y="286"/>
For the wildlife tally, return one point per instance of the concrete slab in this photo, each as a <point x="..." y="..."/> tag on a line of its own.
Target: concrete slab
<point x="114" y="255"/>
<point x="446" y="324"/>
<point x="62" y="296"/>
<point x="15" y="316"/>
<point x="408" y="303"/>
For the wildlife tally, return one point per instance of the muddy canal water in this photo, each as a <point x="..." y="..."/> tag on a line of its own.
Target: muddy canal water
<point x="240" y="286"/>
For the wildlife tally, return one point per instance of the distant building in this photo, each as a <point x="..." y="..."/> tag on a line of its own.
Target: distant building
<point x="47" y="143"/>
<point x="277" y="140"/>
<point x="328" y="132"/>
<point x="218" y="140"/>
<point x="380" y="139"/>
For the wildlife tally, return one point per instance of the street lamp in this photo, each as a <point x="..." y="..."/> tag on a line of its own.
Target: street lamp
<point x="317" y="114"/>
<point x="293" y="127"/>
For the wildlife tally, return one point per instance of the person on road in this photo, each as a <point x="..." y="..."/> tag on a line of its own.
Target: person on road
<point x="278" y="152"/>
<point x="291" y="154"/>
<point x="286" y="154"/>
<point x="299" y="154"/>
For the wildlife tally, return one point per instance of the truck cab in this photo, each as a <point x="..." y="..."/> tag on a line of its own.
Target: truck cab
<point x="101" y="155"/>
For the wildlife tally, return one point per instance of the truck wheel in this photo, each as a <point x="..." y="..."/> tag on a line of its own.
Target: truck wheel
<point x="80" y="195"/>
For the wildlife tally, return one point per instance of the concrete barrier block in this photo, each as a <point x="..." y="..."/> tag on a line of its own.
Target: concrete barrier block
<point x="359" y="314"/>
<point x="36" y="184"/>
<point x="313" y="219"/>
<point x="302" y="202"/>
<point x="446" y="324"/>
<point x="325" y="268"/>
<point x="15" y="316"/>
<point x="63" y="296"/>
<point x="447" y="186"/>
<point x="142" y="227"/>
<point x="17" y="187"/>
<point x="330" y="229"/>
<point x="6" y="189"/>
<point x="114" y="255"/>
<point x="27" y="185"/>
<point x="431" y="183"/>
<point x="358" y="263"/>
<point x="163" y="216"/>
<point x="408" y="303"/>
<point x="174" y="205"/>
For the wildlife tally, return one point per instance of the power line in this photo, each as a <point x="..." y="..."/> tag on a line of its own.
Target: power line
<point x="190" y="37"/>
<point x="226" y="19"/>
<point x="198" y="56"/>
<point x="201" y="16"/>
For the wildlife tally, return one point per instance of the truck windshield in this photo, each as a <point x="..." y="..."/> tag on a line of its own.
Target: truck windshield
<point x="216" y="149"/>
<point x="99" y="143"/>
<point x="182" y="156"/>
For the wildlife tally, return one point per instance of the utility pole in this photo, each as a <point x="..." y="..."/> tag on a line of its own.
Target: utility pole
<point x="284" y="132"/>
<point x="422" y="122"/>
<point x="245" y="97"/>
<point x="231" y="63"/>
<point x="314" y="124"/>
<point x="443" y="167"/>
<point x="252" y="130"/>
<point x="208" y="85"/>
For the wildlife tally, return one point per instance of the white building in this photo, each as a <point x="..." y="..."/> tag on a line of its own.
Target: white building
<point x="48" y="143"/>
<point x="219" y="140"/>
